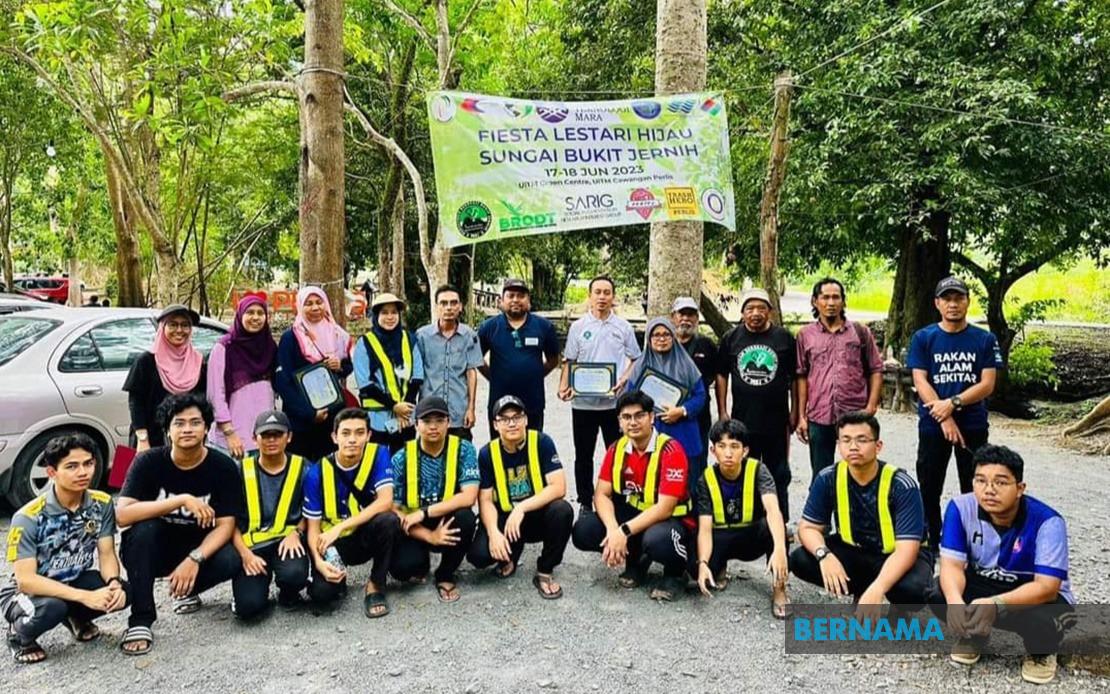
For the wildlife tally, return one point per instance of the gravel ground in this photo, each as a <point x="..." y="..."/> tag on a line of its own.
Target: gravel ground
<point x="502" y="637"/>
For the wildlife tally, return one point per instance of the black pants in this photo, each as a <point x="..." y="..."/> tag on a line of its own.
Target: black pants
<point x="462" y="432"/>
<point x="585" y="425"/>
<point x="550" y="525"/>
<point x="32" y="616"/>
<point x="412" y="557"/>
<point x="535" y="421"/>
<point x="933" y="453"/>
<point x="863" y="567"/>
<point x="153" y="549"/>
<point x="314" y="442"/>
<point x="770" y="449"/>
<point x="251" y="594"/>
<point x="822" y="447"/>
<point x="669" y="543"/>
<point x="394" y="440"/>
<point x="1039" y="629"/>
<point x="375" y="541"/>
<point x="745" y="544"/>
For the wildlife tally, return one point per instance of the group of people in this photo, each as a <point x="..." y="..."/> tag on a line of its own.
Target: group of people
<point x="229" y="488"/>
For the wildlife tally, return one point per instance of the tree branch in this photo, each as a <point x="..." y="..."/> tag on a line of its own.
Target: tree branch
<point x="465" y="21"/>
<point x="268" y="86"/>
<point x="412" y="21"/>
<point x="975" y="268"/>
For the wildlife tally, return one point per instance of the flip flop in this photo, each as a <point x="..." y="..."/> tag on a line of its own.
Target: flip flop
<point x="28" y="654"/>
<point x="134" y="635"/>
<point x="665" y="591"/>
<point x="540" y="581"/>
<point x="445" y="593"/>
<point x="187" y="605"/>
<point x="82" y="631"/>
<point x="373" y="601"/>
<point x="499" y="571"/>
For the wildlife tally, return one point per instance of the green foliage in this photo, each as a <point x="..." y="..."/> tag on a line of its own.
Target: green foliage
<point x="1031" y="362"/>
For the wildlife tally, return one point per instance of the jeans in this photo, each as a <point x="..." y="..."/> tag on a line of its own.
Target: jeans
<point x="822" y="447"/>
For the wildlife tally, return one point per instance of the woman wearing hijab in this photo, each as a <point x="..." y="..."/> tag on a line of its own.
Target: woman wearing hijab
<point x="172" y="366"/>
<point x="389" y="371"/>
<point x="314" y="338"/>
<point x="680" y="421"/>
<point x="240" y="376"/>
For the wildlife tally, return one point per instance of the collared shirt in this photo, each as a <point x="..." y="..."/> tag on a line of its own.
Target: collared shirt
<point x="837" y="367"/>
<point x="62" y="542"/>
<point x="516" y="357"/>
<point x="594" y="340"/>
<point x="447" y="361"/>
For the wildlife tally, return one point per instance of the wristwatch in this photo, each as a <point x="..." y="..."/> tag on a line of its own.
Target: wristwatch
<point x="821" y="552"/>
<point x="957" y="402"/>
<point x="196" y="556"/>
<point x="626" y="530"/>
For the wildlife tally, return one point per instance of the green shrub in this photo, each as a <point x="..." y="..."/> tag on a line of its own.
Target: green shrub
<point x="1031" y="362"/>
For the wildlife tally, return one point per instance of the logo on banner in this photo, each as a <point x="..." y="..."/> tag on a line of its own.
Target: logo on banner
<point x="472" y="105"/>
<point x="711" y="106"/>
<point x="518" y="221"/>
<point x="473" y="219"/>
<point x="714" y="203"/>
<point x="553" y="114"/>
<point x="518" y="110"/>
<point x="643" y="202"/>
<point x="443" y="108"/>
<point x="681" y="202"/>
<point x="647" y="109"/>
<point x="681" y="106"/>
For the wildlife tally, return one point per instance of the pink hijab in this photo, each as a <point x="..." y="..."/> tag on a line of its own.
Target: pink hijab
<point x="323" y="338"/>
<point x="178" y="367"/>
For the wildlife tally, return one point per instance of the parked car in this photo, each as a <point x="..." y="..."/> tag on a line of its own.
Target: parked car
<point x="18" y="301"/>
<point x="52" y="289"/>
<point x="63" y="371"/>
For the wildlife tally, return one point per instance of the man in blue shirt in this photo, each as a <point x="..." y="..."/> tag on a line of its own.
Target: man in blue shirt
<point x="522" y="348"/>
<point x="876" y="550"/>
<point x="1002" y="551"/>
<point x="435" y="481"/>
<point x="954" y="366"/>
<point x="348" y="505"/>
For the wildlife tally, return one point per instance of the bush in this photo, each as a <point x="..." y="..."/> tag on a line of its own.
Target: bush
<point x="1031" y="363"/>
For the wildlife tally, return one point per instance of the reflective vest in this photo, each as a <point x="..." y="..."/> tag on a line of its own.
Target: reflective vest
<point x="412" y="472"/>
<point x="747" y="498"/>
<point x="397" y="388"/>
<point x="651" y="476"/>
<point x="500" y="477"/>
<point x="255" y="533"/>
<point x="331" y="515"/>
<point x="843" y="505"/>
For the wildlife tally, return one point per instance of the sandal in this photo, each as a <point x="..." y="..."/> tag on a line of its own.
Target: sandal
<point x="542" y="581"/>
<point x="187" y="605"/>
<point x="82" y="631"/>
<point x="375" y="605"/>
<point x="447" y="594"/>
<point x="28" y="654"/>
<point x="721" y="580"/>
<point x="135" y="635"/>
<point x="500" y="570"/>
<point x="665" y="591"/>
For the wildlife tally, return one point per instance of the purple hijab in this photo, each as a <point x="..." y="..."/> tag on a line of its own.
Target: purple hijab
<point x="250" y="356"/>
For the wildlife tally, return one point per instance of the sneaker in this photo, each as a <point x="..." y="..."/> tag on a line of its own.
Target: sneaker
<point x="1039" y="669"/>
<point x="965" y="652"/>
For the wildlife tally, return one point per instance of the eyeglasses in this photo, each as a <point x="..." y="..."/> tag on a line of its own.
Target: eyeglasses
<point x="999" y="484"/>
<point x="513" y="420"/>
<point x="634" y="416"/>
<point x="860" y="441"/>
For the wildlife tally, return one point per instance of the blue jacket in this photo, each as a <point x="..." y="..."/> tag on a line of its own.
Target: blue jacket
<point x="686" y="430"/>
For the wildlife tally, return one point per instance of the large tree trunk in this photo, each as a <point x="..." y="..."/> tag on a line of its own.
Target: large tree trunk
<point x="129" y="271"/>
<point x="675" y="264"/>
<point x="323" y="227"/>
<point x="923" y="260"/>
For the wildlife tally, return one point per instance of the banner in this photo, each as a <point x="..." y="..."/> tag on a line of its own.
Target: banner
<point x="512" y="167"/>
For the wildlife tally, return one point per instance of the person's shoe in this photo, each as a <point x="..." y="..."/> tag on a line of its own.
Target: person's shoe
<point x="290" y="602"/>
<point x="1039" y="669"/>
<point x="965" y="652"/>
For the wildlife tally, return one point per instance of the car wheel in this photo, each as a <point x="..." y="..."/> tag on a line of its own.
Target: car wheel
<point x="29" y="477"/>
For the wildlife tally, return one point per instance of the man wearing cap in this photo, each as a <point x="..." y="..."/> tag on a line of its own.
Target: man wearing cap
<point x="523" y="348"/>
<point x="599" y="337"/>
<point x="435" y="481"/>
<point x="520" y="499"/>
<point x="268" y="533"/>
<point x="451" y="359"/>
<point x="954" y="365"/>
<point x="759" y="358"/>
<point x="684" y="315"/>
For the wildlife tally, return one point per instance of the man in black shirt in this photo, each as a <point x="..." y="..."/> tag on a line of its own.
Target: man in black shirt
<point x="760" y="359"/>
<point x="684" y="315"/>
<point x="178" y="504"/>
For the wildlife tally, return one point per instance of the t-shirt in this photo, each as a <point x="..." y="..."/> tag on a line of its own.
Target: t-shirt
<point x="516" y="357"/>
<point x="270" y="487"/>
<point x="215" y="481"/>
<point x="955" y="362"/>
<point x="381" y="476"/>
<point x="432" y="470"/>
<point x="1037" y="543"/>
<point x="674" y="470"/>
<point x="62" y="542"/>
<point x="906" y="508"/>
<point x="761" y="368"/>
<point x="704" y="353"/>
<point x="732" y="493"/>
<point x="609" y="341"/>
<point x="516" y="467"/>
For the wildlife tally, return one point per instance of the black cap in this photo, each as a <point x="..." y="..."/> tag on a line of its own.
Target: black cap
<point x="431" y="405"/>
<point x="951" y="284"/>
<point x="515" y="284"/>
<point x="507" y="401"/>
<point x="272" y="420"/>
<point x="174" y="309"/>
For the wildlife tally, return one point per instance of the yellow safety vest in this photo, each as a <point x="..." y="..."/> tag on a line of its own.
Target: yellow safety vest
<point x="255" y="533"/>
<point x="412" y="473"/>
<point x="843" y="505"/>
<point x="397" y="389"/>
<point x="500" y="476"/>
<point x="651" y="477"/>
<point x="331" y="516"/>
<point x="747" y="499"/>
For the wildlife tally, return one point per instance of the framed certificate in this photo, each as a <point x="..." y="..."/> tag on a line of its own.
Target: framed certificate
<point x="591" y="378"/>
<point x="320" y="386"/>
<point x="663" y="390"/>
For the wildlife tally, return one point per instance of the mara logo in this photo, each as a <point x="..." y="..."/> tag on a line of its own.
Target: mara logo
<point x="518" y="110"/>
<point x="681" y="106"/>
<point x="472" y="105"/>
<point x="643" y="202"/>
<point x="647" y="109"/>
<point x="553" y="113"/>
<point x="473" y="219"/>
<point x="711" y="106"/>
<point x="592" y="116"/>
<point x="443" y="108"/>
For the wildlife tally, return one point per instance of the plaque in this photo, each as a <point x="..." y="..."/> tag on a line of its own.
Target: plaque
<point x="596" y="379"/>
<point x="320" y="386"/>
<point x="664" y="391"/>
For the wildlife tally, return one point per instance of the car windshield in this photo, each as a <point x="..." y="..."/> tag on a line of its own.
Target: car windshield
<point x="17" y="333"/>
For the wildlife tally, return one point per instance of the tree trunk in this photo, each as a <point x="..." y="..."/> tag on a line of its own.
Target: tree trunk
<point x="714" y="317"/>
<point x="772" y="192"/>
<point x="675" y="263"/>
<point x="396" y="268"/>
<point x="75" y="296"/>
<point x="6" y="235"/>
<point x="323" y="227"/>
<point x="129" y="271"/>
<point x="923" y="260"/>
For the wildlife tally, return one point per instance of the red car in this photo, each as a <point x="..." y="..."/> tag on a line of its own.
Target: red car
<point x="52" y="289"/>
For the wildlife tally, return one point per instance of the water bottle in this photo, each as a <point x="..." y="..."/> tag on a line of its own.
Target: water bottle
<point x="332" y="557"/>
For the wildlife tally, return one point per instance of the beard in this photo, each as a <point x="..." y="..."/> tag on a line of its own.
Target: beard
<point x="685" y="332"/>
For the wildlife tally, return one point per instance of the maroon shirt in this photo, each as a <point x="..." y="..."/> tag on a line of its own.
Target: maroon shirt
<point x="837" y="368"/>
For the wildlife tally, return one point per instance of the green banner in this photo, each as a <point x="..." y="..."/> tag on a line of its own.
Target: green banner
<point x="513" y="167"/>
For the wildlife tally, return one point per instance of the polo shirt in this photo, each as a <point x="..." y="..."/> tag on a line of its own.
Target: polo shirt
<point x="381" y="476"/>
<point x="446" y="363"/>
<point x="608" y="341"/>
<point x="516" y="357"/>
<point x="517" y="476"/>
<point x="62" y="542"/>
<point x="432" y="470"/>
<point x="906" y="508"/>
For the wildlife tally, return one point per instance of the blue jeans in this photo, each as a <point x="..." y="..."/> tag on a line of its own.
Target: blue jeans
<point x="822" y="447"/>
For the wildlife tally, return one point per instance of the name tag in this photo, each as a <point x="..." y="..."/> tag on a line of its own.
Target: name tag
<point x="531" y="342"/>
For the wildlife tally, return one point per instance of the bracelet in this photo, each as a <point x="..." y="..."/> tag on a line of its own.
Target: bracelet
<point x="702" y="561"/>
<point x="117" y="579"/>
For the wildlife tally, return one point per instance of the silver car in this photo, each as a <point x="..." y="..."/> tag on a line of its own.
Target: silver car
<point x="62" y="370"/>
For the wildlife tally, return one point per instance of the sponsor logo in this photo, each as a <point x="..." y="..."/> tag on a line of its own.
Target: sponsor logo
<point x="553" y="113"/>
<point x="591" y="201"/>
<point x="473" y="219"/>
<point x="714" y="203"/>
<point x="643" y="202"/>
<point x="681" y="106"/>
<point x="443" y="108"/>
<point x="518" y="221"/>
<point x="471" y="105"/>
<point x="675" y="474"/>
<point x="681" y="202"/>
<point x="592" y="116"/>
<point x="757" y="365"/>
<point x="711" y="106"/>
<point x="518" y="110"/>
<point x="647" y="109"/>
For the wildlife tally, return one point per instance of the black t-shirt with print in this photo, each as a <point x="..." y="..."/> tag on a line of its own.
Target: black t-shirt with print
<point x="761" y="369"/>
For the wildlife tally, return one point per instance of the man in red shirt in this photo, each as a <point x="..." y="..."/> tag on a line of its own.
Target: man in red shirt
<point x="643" y="517"/>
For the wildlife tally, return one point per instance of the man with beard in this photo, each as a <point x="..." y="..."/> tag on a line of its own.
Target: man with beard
<point x="684" y="315"/>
